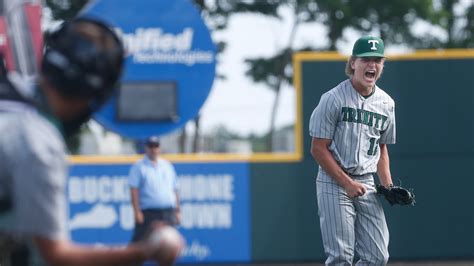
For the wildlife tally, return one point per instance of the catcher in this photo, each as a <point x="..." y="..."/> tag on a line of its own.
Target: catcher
<point x="82" y="63"/>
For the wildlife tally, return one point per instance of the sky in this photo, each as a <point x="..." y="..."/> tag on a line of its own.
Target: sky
<point x="237" y="102"/>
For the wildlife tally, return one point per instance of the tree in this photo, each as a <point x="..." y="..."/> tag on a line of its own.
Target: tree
<point x="459" y="27"/>
<point x="390" y="20"/>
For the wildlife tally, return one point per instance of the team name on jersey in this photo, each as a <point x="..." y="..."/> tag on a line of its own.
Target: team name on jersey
<point x="363" y="117"/>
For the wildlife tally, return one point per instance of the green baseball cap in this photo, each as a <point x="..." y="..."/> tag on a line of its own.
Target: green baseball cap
<point x="368" y="46"/>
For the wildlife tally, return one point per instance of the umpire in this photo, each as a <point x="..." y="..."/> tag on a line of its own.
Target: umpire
<point x="82" y="63"/>
<point x="154" y="190"/>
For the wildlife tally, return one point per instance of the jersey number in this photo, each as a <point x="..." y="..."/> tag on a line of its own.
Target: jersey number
<point x="374" y="144"/>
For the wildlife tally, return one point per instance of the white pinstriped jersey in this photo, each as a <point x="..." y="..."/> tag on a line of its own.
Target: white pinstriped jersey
<point x="355" y="124"/>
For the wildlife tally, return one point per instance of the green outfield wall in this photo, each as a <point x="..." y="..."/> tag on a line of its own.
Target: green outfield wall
<point x="434" y="155"/>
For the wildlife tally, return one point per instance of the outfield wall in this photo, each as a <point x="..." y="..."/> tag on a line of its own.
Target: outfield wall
<point x="270" y="213"/>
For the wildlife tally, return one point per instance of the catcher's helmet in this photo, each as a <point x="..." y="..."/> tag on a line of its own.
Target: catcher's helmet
<point x="80" y="65"/>
<point x="83" y="59"/>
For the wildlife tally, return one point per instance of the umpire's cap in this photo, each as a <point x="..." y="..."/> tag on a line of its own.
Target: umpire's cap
<point x="153" y="141"/>
<point x="368" y="46"/>
<point x="83" y="58"/>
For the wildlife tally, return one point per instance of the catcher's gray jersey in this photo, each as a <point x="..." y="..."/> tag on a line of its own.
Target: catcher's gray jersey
<point x="356" y="125"/>
<point x="32" y="173"/>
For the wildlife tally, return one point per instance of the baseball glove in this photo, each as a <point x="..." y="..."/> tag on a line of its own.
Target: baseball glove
<point x="397" y="195"/>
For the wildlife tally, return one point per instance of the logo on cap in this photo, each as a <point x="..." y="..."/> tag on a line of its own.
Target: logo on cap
<point x="373" y="42"/>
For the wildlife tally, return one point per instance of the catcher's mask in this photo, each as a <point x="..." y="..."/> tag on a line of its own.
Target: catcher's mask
<point x="81" y="64"/>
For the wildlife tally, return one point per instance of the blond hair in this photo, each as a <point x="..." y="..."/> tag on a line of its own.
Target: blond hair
<point x="349" y="70"/>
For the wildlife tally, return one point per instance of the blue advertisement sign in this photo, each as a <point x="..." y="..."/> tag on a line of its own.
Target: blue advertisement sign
<point x="214" y="200"/>
<point x="168" y="46"/>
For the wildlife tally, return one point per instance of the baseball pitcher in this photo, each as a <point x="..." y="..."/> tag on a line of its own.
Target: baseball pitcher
<point x="350" y="128"/>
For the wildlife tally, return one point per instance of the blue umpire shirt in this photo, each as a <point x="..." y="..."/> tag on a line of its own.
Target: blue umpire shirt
<point x="156" y="183"/>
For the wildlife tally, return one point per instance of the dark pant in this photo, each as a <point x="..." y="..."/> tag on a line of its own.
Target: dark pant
<point x="151" y="216"/>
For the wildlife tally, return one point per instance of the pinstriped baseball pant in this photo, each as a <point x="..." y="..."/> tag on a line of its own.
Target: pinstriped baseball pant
<point x="351" y="226"/>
